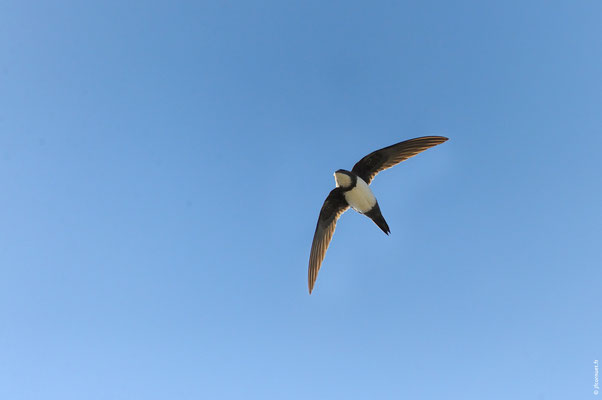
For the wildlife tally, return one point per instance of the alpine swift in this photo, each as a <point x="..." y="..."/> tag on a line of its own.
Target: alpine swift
<point x="352" y="189"/>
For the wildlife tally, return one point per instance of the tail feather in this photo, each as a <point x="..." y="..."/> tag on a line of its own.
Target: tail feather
<point x="376" y="216"/>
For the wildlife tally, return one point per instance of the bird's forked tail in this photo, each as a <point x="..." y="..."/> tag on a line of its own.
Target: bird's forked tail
<point x="376" y="216"/>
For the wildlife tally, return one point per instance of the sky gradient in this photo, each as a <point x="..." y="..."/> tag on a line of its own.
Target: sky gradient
<point x="163" y="164"/>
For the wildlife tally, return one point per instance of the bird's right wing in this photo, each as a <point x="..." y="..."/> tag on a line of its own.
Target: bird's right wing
<point x="334" y="205"/>
<point x="379" y="160"/>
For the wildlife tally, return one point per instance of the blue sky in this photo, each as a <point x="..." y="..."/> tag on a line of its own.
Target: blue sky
<point x="163" y="164"/>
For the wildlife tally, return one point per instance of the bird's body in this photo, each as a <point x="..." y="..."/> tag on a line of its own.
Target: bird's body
<point x="359" y="195"/>
<point x="353" y="190"/>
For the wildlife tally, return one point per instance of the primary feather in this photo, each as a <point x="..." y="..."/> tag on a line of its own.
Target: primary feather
<point x="379" y="160"/>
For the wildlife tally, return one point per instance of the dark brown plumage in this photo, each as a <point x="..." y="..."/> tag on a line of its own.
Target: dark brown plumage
<point x="382" y="159"/>
<point x="336" y="204"/>
<point x="333" y="207"/>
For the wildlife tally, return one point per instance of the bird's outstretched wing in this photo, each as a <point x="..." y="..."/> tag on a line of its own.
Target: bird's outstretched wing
<point x="334" y="205"/>
<point x="379" y="160"/>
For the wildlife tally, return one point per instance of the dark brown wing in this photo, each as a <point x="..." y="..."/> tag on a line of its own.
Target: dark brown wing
<point x="334" y="205"/>
<point x="379" y="160"/>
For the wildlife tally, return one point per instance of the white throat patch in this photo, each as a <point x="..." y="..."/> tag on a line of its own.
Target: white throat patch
<point x="342" y="180"/>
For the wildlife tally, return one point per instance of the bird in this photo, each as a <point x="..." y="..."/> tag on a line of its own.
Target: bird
<point x="353" y="190"/>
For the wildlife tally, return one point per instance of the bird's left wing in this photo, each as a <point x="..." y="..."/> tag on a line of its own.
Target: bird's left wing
<point x="379" y="160"/>
<point x="334" y="205"/>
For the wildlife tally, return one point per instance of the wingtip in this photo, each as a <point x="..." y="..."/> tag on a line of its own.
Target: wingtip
<point x="440" y="139"/>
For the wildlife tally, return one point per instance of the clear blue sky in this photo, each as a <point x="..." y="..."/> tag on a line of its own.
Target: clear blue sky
<point x="162" y="166"/>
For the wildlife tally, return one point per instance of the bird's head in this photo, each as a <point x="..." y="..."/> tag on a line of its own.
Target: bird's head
<point x="343" y="178"/>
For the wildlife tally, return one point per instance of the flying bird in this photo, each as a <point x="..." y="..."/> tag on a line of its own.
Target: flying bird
<point x="353" y="190"/>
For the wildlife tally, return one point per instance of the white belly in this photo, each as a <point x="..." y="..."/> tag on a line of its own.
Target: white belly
<point x="360" y="198"/>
